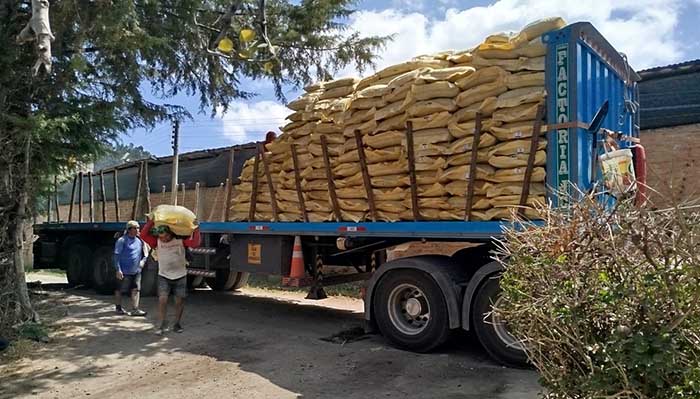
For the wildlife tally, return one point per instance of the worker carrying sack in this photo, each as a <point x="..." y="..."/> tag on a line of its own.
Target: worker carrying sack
<point x="180" y="220"/>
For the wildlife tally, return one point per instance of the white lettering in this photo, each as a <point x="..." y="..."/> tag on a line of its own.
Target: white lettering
<point x="563" y="104"/>
<point x="563" y="168"/>
<point x="563" y="136"/>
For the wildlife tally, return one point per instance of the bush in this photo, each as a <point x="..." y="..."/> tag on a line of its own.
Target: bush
<point x="607" y="301"/>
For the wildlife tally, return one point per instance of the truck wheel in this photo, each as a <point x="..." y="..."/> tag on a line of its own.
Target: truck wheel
<point x="149" y="278"/>
<point x="104" y="273"/>
<point x="410" y="310"/>
<point x="194" y="282"/>
<point x="491" y="330"/>
<point x="225" y="280"/>
<point x="78" y="267"/>
<point x="241" y="281"/>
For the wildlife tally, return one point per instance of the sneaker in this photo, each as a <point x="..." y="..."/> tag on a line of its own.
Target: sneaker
<point x="137" y="312"/>
<point x="178" y="328"/>
<point x="118" y="309"/>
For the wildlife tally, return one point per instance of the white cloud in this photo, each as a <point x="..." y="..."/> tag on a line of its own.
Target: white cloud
<point x="249" y="121"/>
<point x="643" y="29"/>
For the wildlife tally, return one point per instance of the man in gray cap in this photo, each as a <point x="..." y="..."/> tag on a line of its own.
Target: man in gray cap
<point x="130" y="254"/>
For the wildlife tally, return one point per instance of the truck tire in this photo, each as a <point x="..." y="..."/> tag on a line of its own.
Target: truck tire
<point x="78" y="267"/>
<point x="194" y="282"/>
<point x="149" y="278"/>
<point x="492" y="332"/>
<point x="225" y="280"/>
<point x="410" y="310"/>
<point x="241" y="281"/>
<point x="103" y="271"/>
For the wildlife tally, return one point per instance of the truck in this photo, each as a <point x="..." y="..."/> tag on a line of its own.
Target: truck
<point x="416" y="302"/>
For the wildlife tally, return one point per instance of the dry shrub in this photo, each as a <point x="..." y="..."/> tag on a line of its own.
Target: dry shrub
<point x="607" y="300"/>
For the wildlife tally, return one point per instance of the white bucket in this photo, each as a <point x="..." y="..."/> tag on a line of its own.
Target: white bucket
<point x="618" y="172"/>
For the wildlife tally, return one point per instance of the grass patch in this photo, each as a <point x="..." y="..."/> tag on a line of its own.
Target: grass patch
<point x="18" y="349"/>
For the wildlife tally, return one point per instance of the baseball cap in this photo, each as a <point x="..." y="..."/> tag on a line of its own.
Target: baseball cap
<point x="132" y="223"/>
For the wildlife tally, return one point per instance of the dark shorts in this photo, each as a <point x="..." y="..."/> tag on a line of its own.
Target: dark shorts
<point x="129" y="283"/>
<point x="177" y="287"/>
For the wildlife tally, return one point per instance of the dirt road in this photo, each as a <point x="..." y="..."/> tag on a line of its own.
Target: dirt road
<point x="253" y="344"/>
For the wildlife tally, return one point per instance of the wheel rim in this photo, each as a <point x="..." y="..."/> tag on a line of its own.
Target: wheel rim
<point x="409" y="310"/>
<point x="501" y="328"/>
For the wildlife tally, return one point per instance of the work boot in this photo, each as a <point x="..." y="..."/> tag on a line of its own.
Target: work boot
<point x="162" y="329"/>
<point x="118" y="309"/>
<point x="178" y="328"/>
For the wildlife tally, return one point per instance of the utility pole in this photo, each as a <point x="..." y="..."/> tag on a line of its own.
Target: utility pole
<point x="175" y="142"/>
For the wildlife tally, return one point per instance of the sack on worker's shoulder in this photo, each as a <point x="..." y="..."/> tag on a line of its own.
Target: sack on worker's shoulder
<point x="180" y="220"/>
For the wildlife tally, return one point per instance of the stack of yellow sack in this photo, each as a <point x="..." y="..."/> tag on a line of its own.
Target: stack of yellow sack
<point x="440" y="94"/>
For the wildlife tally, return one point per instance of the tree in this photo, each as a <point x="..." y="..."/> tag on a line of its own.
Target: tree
<point x="118" y="154"/>
<point x="105" y="52"/>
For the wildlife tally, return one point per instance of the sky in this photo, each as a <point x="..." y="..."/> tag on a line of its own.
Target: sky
<point x="651" y="33"/>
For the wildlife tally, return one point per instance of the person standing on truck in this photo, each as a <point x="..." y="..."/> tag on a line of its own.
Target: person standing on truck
<point x="172" y="270"/>
<point x="129" y="258"/>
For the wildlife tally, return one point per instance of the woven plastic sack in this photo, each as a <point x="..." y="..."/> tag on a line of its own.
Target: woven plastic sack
<point x="465" y="144"/>
<point x="467" y="128"/>
<point x="449" y="74"/>
<point x="495" y="190"/>
<point x="516" y="130"/>
<point x="440" y="89"/>
<point x="516" y="175"/>
<point x="478" y="202"/>
<point x="516" y="147"/>
<point x="480" y="93"/>
<point x="486" y="107"/>
<point x="431" y="121"/>
<point x="482" y="76"/>
<point x="465" y="158"/>
<point x="384" y="140"/>
<point x="422" y="108"/>
<point x="483" y="172"/>
<point x="514" y="161"/>
<point x="459" y="187"/>
<point x="523" y="112"/>
<point x="524" y="95"/>
<point x="393" y="123"/>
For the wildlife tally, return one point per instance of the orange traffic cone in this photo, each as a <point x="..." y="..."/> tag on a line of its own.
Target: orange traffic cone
<point x="296" y="274"/>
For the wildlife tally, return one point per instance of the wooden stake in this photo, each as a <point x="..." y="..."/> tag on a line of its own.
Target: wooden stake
<point x="146" y="189"/>
<point x="102" y="196"/>
<point x="254" y="193"/>
<point x="197" y="211"/>
<point x="297" y="183"/>
<point x="329" y="177"/>
<point x="163" y="198"/>
<point x="365" y="175"/>
<point x="137" y="199"/>
<point x="116" y="195"/>
<point x="91" y="198"/>
<point x="55" y="197"/>
<point x="472" y="168"/>
<point x="80" y="197"/>
<point x="270" y="185"/>
<point x="412" y="171"/>
<point x="216" y="198"/>
<point x="182" y="188"/>
<point x="534" y="143"/>
<point x="72" y="199"/>
<point x="229" y="185"/>
<point x="48" y="208"/>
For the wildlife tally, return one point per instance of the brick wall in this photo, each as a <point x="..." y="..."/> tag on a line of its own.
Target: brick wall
<point x="673" y="163"/>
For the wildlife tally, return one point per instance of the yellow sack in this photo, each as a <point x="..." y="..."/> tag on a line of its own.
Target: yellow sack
<point x="364" y="128"/>
<point x="429" y="163"/>
<point x="327" y="128"/>
<point x="465" y="144"/>
<point x="478" y="202"/>
<point x="482" y="76"/>
<point x="292" y="125"/>
<point x="429" y="150"/>
<point x="391" y="181"/>
<point x="288" y="207"/>
<point x="516" y="147"/>
<point x="433" y="190"/>
<point x="376" y="90"/>
<point x="424" y="177"/>
<point x="513" y="161"/>
<point x="367" y="103"/>
<point x="425" y="213"/>
<point x="313" y="174"/>
<point x="525" y="112"/>
<point x="389" y="110"/>
<point x="516" y="130"/>
<point x="516" y="175"/>
<point x="483" y="172"/>
<point x="459" y="187"/>
<point x="439" y="89"/>
<point x="318" y="216"/>
<point x="384" y="139"/>
<point x="524" y="95"/>
<point x="495" y="190"/>
<point x="390" y="206"/>
<point x="540" y="27"/>
<point x="411" y="65"/>
<point x="428" y="136"/>
<point x="352" y="216"/>
<point x="422" y="108"/>
<point x="511" y="200"/>
<point x="314" y="185"/>
<point x="350" y="181"/>
<point x="431" y="203"/>
<point x="534" y="48"/>
<point x="393" y="123"/>
<point x="354" y="205"/>
<point x="431" y="121"/>
<point x="465" y="158"/>
<point x="387" y="168"/>
<point x="449" y="74"/>
<point x="486" y="108"/>
<point x="459" y="214"/>
<point x="508" y="213"/>
<point x="334" y="150"/>
<point x="460" y="57"/>
<point x="341" y="82"/>
<point x="467" y="128"/>
<point x="359" y="116"/>
<point x="372" y="156"/>
<point x="480" y="93"/>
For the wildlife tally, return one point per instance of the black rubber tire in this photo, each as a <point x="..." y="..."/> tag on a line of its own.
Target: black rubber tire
<point x="225" y="280"/>
<point x="486" y="295"/>
<point x="436" y="332"/>
<point x="149" y="278"/>
<point x="78" y="265"/>
<point x="241" y="281"/>
<point x="105" y="277"/>
<point x="194" y="282"/>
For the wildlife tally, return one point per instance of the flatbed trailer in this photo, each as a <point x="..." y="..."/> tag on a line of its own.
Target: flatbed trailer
<point x="414" y="301"/>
